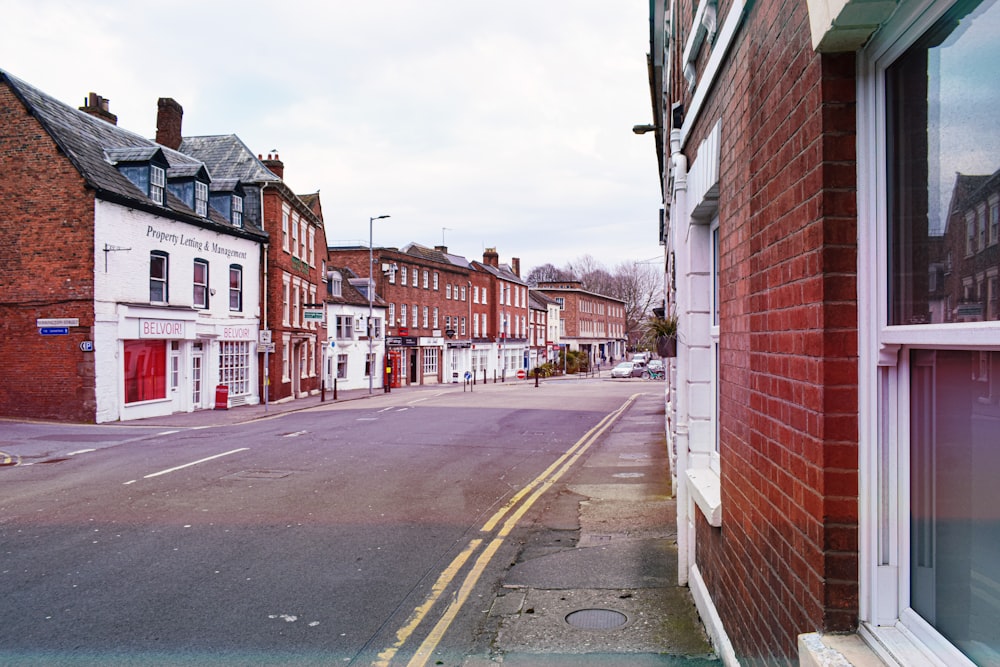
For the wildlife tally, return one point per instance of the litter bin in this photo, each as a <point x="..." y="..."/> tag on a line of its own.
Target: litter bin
<point x="222" y="397"/>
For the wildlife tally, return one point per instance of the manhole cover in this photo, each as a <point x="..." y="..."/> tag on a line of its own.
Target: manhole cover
<point x="596" y="619"/>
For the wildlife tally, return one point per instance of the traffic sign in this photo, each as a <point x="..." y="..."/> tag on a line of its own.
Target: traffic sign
<point x="266" y="347"/>
<point x="521" y="374"/>
<point x="54" y="331"/>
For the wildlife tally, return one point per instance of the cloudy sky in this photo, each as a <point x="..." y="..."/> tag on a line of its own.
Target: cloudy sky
<point x="502" y="125"/>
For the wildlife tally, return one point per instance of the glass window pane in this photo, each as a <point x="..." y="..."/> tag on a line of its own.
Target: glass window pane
<point x="944" y="152"/>
<point x="955" y="497"/>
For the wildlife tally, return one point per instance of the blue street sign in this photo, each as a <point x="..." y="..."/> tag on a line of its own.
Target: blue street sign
<point x="54" y="331"/>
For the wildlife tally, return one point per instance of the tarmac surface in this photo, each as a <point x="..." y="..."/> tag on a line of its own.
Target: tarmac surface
<point x="596" y="580"/>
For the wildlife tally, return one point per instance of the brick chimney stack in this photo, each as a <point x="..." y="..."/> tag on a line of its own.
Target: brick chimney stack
<point x="515" y="265"/>
<point x="274" y="163"/>
<point x="169" y="115"/>
<point x="491" y="258"/>
<point x="98" y="107"/>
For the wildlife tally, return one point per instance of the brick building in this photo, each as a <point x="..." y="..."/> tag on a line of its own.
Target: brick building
<point x="294" y="280"/>
<point x="128" y="277"/>
<point x="828" y="411"/>
<point x="589" y="322"/>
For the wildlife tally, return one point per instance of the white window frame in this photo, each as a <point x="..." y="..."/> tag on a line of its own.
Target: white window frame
<point x="893" y="630"/>
<point x="286" y="213"/>
<point x="201" y="198"/>
<point x="157" y="183"/>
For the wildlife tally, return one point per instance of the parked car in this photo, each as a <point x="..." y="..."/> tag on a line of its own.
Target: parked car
<point x="629" y="369"/>
<point x="655" y="365"/>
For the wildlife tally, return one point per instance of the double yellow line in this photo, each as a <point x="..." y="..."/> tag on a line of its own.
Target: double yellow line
<point x="535" y="488"/>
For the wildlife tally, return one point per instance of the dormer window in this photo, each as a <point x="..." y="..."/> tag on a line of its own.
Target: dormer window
<point x="336" y="283"/>
<point x="237" y="203"/>
<point x="157" y="183"/>
<point x="144" y="166"/>
<point x="201" y="198"/>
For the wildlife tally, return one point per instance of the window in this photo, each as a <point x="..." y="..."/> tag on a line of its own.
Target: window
<point x="302" y="240"/>
<point x="447" y="291"/>
<point x="237" y="211"/>
<point x="475" y="326"/>
<point x="235" y="287"/>
<point x="426" y="279"/>
<point x="402" y="276"/>
<point x="435" y="281"/>
<point x="431" y="355"/>
<point x="341" y="366"/>
<point x="201" y="198"/>
<point x="369" y="363"/>
<point x="426" y="320"/>
<point x="286" y="358"/>
<point x="344" y="327"/>
<point x="286" y="213"/>
<point x="145" y="364"/>
<point x="392" y="314"/>
<point x="200" y="282"/>
<point x="402" y="314"/>
<point x="157" y="183"/>
<point x="463" y="293"/>
<point x="434" y="321"/>
<point x="312" y="247"/>
<point x="295" y="235"/>
<point x="416" y="316"/>
<point x="158" y="266"/>
<point x="234" y="366"/>
<point x="929" y="459"/>
<point x="376" y="327"/>
<point x="475" y="294"/>
<point x="336" y="284"/>
<point x="286" y="301"/>
<point x="461" y="331"/>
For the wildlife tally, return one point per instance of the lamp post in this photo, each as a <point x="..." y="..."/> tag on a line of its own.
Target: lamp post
<point x="371" y="291"/>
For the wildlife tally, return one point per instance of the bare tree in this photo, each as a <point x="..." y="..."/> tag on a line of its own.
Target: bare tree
<point x="546" y="273"/>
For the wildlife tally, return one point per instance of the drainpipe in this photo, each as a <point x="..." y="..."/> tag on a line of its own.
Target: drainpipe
<point x="679" y="226"/>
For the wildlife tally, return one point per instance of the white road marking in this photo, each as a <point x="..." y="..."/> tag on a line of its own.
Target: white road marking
<point x="193" y="463"/>
<point x="81" y="451"/>
<point x="292" y="435"/>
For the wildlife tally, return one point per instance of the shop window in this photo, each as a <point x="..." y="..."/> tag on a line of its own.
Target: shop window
<point x="431" y="356"/>
<point x="234" y="366"/>
<point x="145" y="366"/>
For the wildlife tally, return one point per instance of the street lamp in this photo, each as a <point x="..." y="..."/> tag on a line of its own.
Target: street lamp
<point x="643" y="129"/>
<point x="371" y="291"/>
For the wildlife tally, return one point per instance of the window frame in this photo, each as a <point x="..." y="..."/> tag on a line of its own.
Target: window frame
<point x="886" y="622"/>
<point x="200" y="287"/>
<point x="164" y="281"/>
<point x="236" y="291"/>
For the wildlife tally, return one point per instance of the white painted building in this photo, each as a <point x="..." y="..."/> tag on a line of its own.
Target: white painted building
<point x="166" y="290"/>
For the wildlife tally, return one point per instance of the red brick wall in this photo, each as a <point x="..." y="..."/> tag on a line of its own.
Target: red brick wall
<point x="785" y="560"/>
<point x="46" y="271"/>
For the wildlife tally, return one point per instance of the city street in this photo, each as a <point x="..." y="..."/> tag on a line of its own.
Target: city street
<point x="350" y="533"/>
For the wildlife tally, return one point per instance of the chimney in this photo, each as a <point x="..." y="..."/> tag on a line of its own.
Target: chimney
<point x="274" y="163"/>
<point x="168" y="122"/>
<point x="515" y="264"/>
<point x="491" y="258"/>
<point x="97" y="106"/>
<point x="441" y="248"/>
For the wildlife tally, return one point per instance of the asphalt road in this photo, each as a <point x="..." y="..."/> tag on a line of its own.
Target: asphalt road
<point x="342" y="535"/>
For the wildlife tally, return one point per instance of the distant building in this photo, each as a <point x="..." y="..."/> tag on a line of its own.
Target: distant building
<point x="589" y="322"/>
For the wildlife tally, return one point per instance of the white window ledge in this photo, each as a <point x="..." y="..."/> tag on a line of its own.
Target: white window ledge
<point x="706" y="491"/>
<point x="846" y="650"/>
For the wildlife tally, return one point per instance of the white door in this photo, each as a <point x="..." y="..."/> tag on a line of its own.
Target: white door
<point x="197" y="365"/>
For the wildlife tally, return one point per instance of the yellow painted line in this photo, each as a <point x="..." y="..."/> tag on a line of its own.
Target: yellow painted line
<point x="587" y="437"/>
<point x="8" y="459"/>
<point x="544" y="482"/>
<point x="419" y="613"/>
<point x="434" y="638"/>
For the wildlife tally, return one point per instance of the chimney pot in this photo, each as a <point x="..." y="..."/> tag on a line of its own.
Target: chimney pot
<point x="99" y="107"/>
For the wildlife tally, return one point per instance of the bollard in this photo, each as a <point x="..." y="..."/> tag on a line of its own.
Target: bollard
<point x="334" y="388"/>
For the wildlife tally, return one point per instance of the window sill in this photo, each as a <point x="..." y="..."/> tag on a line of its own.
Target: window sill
<point x="846" y="650"/>
<point x="706" y="491"/>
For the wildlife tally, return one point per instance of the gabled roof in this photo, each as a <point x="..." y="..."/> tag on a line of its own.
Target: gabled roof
<point x="94" y="147"/>
<point x="349" y="294"/>
<point x="228" y="157"/>
<point x="503" y="272"/>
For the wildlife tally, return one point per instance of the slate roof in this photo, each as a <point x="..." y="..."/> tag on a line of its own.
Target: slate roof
<point x="349" y="294"/>
<point x="503" y="272"/>
<point x="95" y="146"/>
<point x="228" y="157"/>
<point x="435" y="255"/>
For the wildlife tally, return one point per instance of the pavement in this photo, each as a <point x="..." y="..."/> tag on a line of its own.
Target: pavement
<point x="595" y="582"/>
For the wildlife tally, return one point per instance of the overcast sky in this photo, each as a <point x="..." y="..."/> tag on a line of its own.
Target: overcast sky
<point x="502" y="125"/>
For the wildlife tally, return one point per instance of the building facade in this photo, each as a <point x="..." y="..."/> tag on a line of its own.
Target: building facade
<point x="129" y="283"/>
<point x="354" y="354"/>
<point x="828" y="223"/>
<point x="589" y="322"/>
<point x="292" y="279"/>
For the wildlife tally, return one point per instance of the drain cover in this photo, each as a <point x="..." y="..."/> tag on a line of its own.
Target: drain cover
<point x="596" y="619"/>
